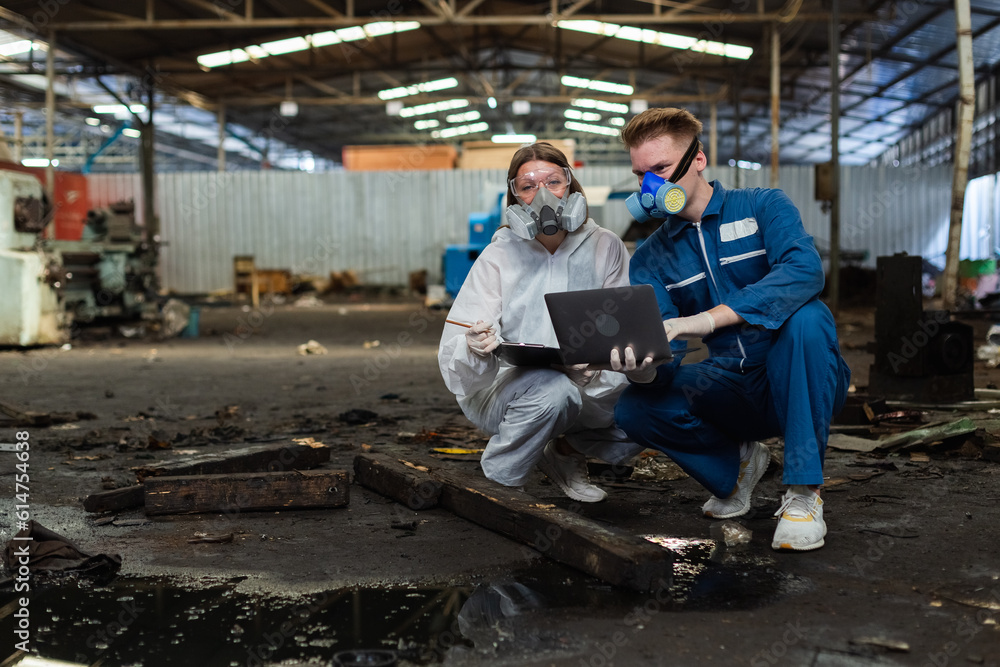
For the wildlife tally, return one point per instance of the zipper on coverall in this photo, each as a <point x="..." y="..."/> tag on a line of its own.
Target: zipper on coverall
<point x="708" y="267"/>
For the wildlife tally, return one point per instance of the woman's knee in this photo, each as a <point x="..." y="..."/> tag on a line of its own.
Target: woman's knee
<point x="551" y="387"/>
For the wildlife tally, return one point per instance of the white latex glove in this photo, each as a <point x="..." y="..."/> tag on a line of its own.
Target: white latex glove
<point x="579" y="374"/>
<point x="695" y="326"/>
<point x="643" y="373"/>
<point x="481" y="339"/>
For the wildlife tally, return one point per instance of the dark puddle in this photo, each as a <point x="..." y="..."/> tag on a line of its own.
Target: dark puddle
<point x="153" y="622"/>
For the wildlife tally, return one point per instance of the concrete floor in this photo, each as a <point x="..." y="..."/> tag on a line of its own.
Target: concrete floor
<point x="910" y="574"/>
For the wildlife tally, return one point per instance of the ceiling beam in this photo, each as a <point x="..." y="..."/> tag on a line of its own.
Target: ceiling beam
<point x="468" y="8"/>
<point x="265" y="99"/>
<point x="214" y="8"/>
<point x="320" y="86"/>
<point x="491" y="20"/>
<point x="325" y="8"/>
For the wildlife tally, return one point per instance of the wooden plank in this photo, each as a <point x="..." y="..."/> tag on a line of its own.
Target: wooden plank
<point x="260" y="458"/>
<point x="564" y="535"/>
<point x="245" y="492"/>
<point x="115" y="500"/>
<point x="383" y="474"/>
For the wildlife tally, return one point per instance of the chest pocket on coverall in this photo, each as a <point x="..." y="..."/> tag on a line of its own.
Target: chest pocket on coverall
<point x="689" y="292"/>
<point x="741" y="252"/>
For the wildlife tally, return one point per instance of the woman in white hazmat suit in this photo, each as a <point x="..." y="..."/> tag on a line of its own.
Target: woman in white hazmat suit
<point x="550" y="417"/>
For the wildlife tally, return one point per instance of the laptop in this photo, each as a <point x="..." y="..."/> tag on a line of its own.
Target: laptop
<point x="590" y="323"/>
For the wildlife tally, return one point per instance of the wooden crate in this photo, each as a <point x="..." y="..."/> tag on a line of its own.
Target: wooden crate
<point x="275" y="281"/>
<point x="398" y="158"/>
<point x="488" y="155"/>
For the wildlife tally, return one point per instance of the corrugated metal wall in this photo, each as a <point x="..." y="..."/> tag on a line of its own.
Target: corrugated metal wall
<point x="384" y="225"/>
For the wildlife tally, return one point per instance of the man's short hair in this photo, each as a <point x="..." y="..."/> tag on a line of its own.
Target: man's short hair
<point x="656" y="122"/>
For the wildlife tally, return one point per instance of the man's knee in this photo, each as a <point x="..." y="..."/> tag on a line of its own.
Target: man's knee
<point x="813" y="321"/>
<point x="630" y="408"/>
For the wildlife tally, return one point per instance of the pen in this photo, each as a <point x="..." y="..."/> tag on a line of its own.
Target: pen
<point x="464" y="324"/>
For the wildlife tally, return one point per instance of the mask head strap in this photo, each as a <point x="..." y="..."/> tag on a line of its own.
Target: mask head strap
<point x="686" y="160"/>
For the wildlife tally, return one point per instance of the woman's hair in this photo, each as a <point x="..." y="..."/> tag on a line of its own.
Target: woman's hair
<point x="538" y="151"/>
<point x="658" y="121"/>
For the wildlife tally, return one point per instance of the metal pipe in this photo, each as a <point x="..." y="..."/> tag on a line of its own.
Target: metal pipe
<point x="963" y="140"/>
<point x="833" y="289"/>
<point x="775" y="101"/>
<point x="50" y="117"/>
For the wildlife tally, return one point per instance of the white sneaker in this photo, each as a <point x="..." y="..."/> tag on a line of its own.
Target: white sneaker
<point x="753" y="463"/>
<point x="801" y="527"/>
<point x="569" y="472"/>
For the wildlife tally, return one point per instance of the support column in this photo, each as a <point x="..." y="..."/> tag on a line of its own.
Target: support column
<point x="833" y="288"/>
<point x="50" y="116"/>
<point x="775" y="101"/>
<point x="221" y="120"/>
<point x="963" y="140"/>
<point x="18" y="136"/>
<point x="148" y="174"/>
<point x="737" y="121"/>
<point x="713" y="136"/>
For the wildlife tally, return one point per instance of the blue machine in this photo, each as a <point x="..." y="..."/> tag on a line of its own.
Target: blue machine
<point x="458" y="259"/>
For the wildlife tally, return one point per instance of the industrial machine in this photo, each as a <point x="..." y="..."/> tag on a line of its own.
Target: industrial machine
<point x="111" y="271"/>
<point x="458" y="259"/>
<point x="31" y="311"/>
<point x="920" y="355"/>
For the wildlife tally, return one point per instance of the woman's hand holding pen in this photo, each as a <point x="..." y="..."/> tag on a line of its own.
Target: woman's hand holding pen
<point x="481" y="339"/>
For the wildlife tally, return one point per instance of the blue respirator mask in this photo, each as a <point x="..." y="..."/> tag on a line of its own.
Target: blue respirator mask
<point x="548" y="212"/>
<point x="658" y="198"/>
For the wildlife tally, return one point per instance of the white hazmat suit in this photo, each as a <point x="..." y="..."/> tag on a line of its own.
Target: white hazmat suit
<point x="524" y="408"/>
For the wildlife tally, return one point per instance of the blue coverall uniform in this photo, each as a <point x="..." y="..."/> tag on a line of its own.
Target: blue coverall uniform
<point x="779" y="374"/>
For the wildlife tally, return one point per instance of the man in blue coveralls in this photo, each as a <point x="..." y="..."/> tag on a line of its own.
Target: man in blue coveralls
<point x="737" y="269"/>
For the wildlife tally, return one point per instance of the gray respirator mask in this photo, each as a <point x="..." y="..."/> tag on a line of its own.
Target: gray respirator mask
<point x="547" y="213"/>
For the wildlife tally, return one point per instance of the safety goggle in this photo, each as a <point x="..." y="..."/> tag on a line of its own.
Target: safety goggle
<point x="554" y="180"/>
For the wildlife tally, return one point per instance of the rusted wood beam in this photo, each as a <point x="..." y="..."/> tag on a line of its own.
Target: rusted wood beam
<point x="294" y="456"/>
<point x="246" y="492"/>
<point x="564" y="535"/>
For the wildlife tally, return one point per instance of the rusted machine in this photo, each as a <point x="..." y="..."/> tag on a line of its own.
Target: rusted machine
<point x="111" y="271"/>
<point x="31" y="310"/>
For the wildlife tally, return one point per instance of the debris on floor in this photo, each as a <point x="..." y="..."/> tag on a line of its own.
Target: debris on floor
<point x="883" y="642"/>
<point x="651" y="467"/>
<point x="23" y="417"/>
<point x="358" y="417"/>
<point x="49" y="553"/>
<point x="928" y="435"/>
<point x="730" y="533"/>
<point x="311" y="347"/>
<point x="307" y="301"/>
<point x="205" y="538"/>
